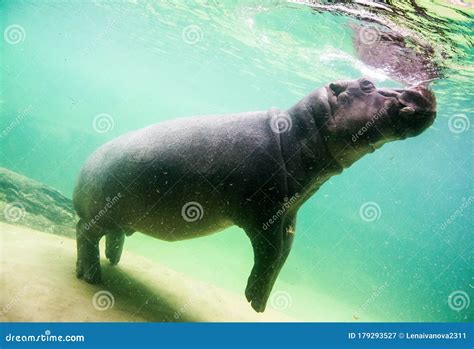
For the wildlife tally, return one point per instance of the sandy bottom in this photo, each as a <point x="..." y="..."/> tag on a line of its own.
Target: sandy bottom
<point x="38" y="284"/>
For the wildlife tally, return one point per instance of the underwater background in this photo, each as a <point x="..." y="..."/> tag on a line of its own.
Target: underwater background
<point x="391" y="238"/>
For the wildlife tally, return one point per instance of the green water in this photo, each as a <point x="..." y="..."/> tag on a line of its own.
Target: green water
<point x="144" y="62"/>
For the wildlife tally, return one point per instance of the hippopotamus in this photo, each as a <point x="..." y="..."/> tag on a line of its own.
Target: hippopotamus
<point x="190" y="177"/>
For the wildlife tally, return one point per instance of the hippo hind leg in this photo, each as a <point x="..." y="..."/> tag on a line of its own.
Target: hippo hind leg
<point x="114" y="246"/>
<point x="88" y="255"/>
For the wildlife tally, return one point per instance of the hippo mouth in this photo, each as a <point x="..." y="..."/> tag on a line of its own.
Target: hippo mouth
<point x="412" y="111"/>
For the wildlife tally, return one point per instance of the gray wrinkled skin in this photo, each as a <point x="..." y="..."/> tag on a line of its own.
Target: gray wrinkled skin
<point x="191" y="177"/>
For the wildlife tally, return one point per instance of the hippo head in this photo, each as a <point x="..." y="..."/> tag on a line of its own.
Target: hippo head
<point x="361" y="118"/>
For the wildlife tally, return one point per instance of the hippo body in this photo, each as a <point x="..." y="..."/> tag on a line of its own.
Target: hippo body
<point x="231" y="166"/>
<point x="192" y="177"/>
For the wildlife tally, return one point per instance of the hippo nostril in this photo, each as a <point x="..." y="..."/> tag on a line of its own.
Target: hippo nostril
<point x="338" y="87"/>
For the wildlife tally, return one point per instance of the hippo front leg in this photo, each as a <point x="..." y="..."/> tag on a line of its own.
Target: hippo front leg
<point x="271" y="248"/>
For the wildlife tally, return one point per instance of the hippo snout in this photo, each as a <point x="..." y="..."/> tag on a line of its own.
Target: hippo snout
<point x="418" y="109"/>
<point x="414" y="109"/>
<point x="363" y="117"/>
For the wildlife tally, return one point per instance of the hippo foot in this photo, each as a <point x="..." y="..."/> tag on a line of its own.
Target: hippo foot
<point x="114" y="246"/>
<point x="113" y="259"/>
<point x="91" y="274"/>
<point x="254" y="292"/>
<point x="79" y="270"/>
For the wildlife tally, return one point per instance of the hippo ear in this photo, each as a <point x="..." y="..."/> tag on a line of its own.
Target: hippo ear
<point x="338" y="86"/>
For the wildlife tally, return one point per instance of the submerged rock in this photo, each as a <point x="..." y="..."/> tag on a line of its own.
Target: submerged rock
<point x="24" y="201"/>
